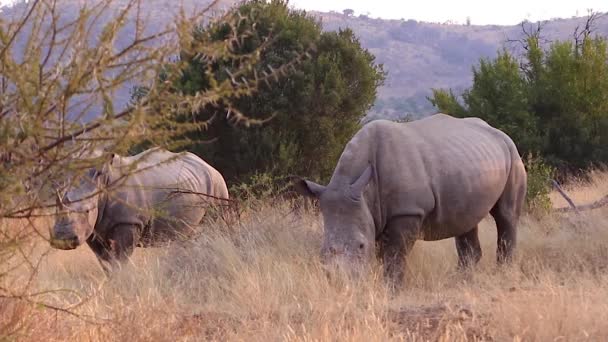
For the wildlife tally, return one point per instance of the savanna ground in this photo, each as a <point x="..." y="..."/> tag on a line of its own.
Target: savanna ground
<point x="261" y="280"/>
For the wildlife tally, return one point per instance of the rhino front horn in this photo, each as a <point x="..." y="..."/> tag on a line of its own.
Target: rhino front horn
<point x="356" y="189"/>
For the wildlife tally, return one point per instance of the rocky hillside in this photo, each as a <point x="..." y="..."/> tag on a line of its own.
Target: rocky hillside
<point x="417" y="55"/>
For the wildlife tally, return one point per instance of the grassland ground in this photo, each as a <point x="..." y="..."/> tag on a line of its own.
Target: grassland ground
<point x="260" y="280"/>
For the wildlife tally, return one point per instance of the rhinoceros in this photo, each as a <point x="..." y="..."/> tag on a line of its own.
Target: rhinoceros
<point x="430" y="179"/>
<point x="139" y="201"/>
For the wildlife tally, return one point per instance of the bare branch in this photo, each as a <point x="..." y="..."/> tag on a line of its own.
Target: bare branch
<point x="20" y="26"/>
<point x="563" y="193"/>
<point x="595" y="205"/>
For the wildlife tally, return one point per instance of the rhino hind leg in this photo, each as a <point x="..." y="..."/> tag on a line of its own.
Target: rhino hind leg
<point x="506" y="213"/>
<point x="468" y="248"/>
<point x="507" y="236"/>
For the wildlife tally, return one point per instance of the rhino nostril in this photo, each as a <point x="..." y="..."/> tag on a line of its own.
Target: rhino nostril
<point x="336" y="251"/>
<point x="71" y="237"/>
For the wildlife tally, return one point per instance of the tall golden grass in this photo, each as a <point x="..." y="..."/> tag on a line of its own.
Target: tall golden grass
<point x="260" y="281"/>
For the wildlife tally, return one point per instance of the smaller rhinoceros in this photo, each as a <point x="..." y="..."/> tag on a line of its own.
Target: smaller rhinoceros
<point x="143" y="200"/>
<point x="431" y="179"/>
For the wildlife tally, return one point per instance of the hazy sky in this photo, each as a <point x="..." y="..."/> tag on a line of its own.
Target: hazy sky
<point x="503" y="12"/>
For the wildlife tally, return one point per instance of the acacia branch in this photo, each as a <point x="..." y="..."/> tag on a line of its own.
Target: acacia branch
<point x="81" y="131"/>
<point x="26" y="299"/>
<point x="19" y="28"/>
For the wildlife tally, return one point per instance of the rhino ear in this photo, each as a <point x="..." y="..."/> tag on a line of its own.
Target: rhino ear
<point x="113" y="159"/>
<point x="308" y="188"/>
<point x="103" y="170"/>
<point x="356" y="189"/>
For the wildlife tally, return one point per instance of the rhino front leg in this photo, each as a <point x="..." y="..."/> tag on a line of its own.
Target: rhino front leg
<point x="468" y="248"/>
<point x="116" y="248"/>
<point x="102" y="253"/>
<point x="397" y="241"/>
<point x="122" y="242"/>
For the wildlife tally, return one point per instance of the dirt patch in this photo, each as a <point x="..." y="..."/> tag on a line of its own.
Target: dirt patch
<point x="433" y="322"/>
<point x="210" y="326"/>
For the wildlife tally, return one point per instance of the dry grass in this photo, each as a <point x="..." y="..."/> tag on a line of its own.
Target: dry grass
<point x="261" y="281"/>
<point x="582" y="192"/>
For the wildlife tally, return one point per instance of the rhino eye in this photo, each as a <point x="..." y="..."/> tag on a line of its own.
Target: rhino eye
<point x="361" y="245"/>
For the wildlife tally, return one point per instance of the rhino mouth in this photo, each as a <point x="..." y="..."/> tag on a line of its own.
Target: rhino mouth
<point x="64" y="244"/>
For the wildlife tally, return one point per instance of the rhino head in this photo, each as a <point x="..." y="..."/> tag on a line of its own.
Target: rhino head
<point x="349" y="230"/>
<point x="78" y="209"/>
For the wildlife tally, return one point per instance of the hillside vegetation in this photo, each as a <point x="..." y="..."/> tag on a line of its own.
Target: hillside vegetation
<point x="260" y="280"/>
<point x="417" y="55"/>
<point x="551" y="100"/>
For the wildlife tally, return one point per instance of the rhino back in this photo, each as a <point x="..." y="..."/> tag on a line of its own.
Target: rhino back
<point x="163" y="189"/>
<point x="448" y="171"/>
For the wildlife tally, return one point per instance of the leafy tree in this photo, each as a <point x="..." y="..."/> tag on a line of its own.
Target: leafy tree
<point x="314" y="111"/>
<point x="553" y="102"/>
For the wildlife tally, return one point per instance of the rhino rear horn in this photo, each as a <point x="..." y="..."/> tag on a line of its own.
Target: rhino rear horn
<point x="308" y="188"/>
<point x="356" y="189"/>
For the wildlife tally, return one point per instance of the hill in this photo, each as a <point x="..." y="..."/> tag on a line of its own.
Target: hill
<point x="421" y="55"/>
<point x="417" y="55"/>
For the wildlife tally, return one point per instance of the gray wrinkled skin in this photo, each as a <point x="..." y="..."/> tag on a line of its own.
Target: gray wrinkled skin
<point x="430" y="179"/>
<point x="149" y="200"/>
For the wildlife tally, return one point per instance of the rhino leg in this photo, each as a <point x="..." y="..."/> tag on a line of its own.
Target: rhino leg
<point x="116" y="248"/>
<point x="507" y="210"/>
<point x="506" y="215"/>
<point x="102" y="253"/>
<point x="469" y="249"/>
<point x="507" y="236"/>
<point x="122" y="242"/>
<point x="397" y="241"/>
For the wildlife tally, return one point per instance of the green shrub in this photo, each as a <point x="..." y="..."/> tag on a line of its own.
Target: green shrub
<point x="552" y="100"/>
<point x="314" y="111"/>
<point x="539" y="184"/>
<point x="259" y="186"/>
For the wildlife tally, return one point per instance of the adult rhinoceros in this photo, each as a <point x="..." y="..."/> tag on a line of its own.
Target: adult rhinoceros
<point x="150" y="198"/>
<point x="430" y="179"/>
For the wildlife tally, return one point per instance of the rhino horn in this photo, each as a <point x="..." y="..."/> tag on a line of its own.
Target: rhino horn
<point x="308" y="188"/>
<point x="356" y="189"/>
